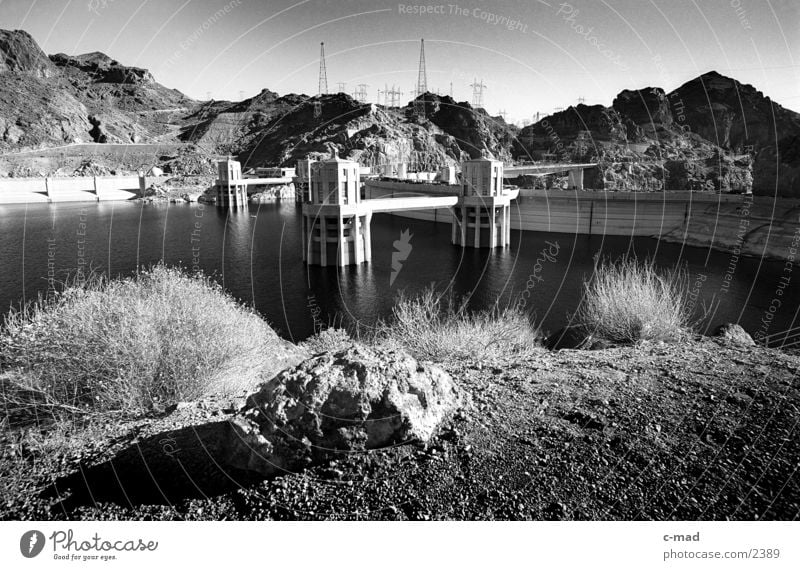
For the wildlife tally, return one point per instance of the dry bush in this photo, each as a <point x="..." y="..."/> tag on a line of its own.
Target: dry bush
<point x="627" y="302"/>
<point x="436" y="327"/>
<point x="328" y="340"/>
<point x="153" y="339"/>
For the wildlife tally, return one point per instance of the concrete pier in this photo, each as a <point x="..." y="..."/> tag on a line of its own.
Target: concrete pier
<point x="336" y="221"/>
<point x="335" y="230"/>
<point x="482" y="217"/>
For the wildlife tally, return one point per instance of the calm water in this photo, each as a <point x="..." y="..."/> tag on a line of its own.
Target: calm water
<point x="256" y="256"/>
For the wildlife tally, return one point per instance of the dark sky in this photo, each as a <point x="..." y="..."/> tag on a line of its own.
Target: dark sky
<point x="532" y="55"/>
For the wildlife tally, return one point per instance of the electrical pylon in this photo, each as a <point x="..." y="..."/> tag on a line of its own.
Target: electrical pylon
<point x="323" y="81"/>
<point x="477" y="93"/>
<point x="323" y="72"/>
<point x="422" y="82"/>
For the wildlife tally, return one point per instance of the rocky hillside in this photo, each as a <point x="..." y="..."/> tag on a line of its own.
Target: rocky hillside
<point x="269" y="129"/>
<point x="712" y="133"/>
<point x="47" y="101"/>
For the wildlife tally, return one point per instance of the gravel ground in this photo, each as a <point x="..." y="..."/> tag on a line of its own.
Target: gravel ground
<point x="696" y="431"/>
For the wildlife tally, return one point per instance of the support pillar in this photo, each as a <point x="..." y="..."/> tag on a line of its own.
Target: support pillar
<point x="477" y="237"/>
<point x="575" y="179"/>
<point x="368" y="238"/>
<point x="464" y="222"/>
<point x="358" y="239"/>
<point x="323" y="241"/>
<point x="344" y="254"/>
<point x="508" y="225"/>
<point x="492" y="227"/>
<point x="304" y="237"/>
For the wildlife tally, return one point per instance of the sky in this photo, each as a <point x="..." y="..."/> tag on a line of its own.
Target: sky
<point x="532" y="55"/>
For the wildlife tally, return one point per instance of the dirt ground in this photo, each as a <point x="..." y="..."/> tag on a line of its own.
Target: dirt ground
<point x="696" y="431"/>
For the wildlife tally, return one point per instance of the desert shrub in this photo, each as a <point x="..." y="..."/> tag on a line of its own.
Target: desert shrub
<point x="327" y="340"/>
<point x="156" y="338"/>
<point x="435" y="327"/>
<point x="627" y="302"/>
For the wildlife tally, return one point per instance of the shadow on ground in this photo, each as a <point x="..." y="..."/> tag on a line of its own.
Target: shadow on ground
<point x="162" y="469"/>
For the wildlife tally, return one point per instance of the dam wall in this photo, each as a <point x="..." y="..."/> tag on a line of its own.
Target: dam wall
<point x="758" y="226"/>
<point x="72" y="189"/>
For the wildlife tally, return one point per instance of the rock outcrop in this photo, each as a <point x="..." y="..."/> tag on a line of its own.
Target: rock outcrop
<point x="734" y="334"/>
<point x="103" y="69"/>
<point x="349" y="401"/>
<point x="644" y="107"/>
<point x="19" y="53"/>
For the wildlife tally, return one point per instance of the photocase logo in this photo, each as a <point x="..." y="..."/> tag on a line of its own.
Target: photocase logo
<point x="31" y="543"/>
<point x="403" y="249"/>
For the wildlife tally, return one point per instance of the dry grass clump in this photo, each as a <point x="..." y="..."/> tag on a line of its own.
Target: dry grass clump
<point x="436" y="327"/>
<point x="130" y="344"/>
<point x="327" y="340"/>
<point x="628" y="302"/>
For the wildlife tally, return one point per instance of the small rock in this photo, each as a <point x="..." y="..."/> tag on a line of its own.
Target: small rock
<point x="734" y="334"/>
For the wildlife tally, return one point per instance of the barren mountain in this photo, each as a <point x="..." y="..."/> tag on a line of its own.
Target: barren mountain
<point x="87" y="98"/>
<point x="710" y="133"/>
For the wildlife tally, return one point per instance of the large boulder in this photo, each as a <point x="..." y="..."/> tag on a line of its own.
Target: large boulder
<point x="349" y="401"/>
<point x="734" y="334"/>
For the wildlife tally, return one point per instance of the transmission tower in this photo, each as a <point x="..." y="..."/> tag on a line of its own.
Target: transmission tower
<point x="341" y="87"/>
<point x="477" y="93"/>
<point x="422" y="79"/>
<point x="558" y="109"/>
<point x="422" y="83"/>
<point x="360" y="94"/>
<point x="241" y="95"/>
<point x="503" y="114"/>
<point x="208" y="95"/>
<point x="451" y="89"/>
<point x="581" y="100"/>
<point x="323" y="73"/>
<point x="323" y="81"/>
<point x="393" y="96"/>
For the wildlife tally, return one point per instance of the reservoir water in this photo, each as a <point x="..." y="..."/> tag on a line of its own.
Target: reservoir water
<point x="255" y="255"/>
